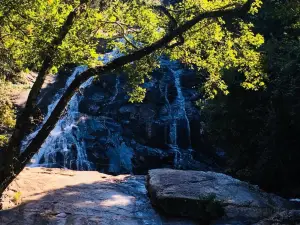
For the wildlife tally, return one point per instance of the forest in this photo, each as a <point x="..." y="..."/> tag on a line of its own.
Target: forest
<point x="229" y="68"/>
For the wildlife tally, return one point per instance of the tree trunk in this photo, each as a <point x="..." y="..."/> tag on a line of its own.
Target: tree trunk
<point x="10" y="170"/>
<point x="23" y="123"/>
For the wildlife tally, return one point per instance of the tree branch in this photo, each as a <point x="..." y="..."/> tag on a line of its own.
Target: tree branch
<point x="125" y="37"/>
<point x="23" y="124"/>
<point x="172" y="25"/>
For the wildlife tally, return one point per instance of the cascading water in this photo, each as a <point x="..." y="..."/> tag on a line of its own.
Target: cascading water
<point x="97" y="135"/>
<point x="51" y="107"/>
<point x="176" y="109"/>
<point x="65" y="141"/>
<point x="116" y="90"/>
<point x="180" y="103"/>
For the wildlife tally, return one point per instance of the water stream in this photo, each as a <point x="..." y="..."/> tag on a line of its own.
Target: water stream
<point x="177" y="110"/>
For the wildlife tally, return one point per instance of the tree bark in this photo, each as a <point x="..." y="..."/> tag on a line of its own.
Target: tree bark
<point x="34" y="146"/>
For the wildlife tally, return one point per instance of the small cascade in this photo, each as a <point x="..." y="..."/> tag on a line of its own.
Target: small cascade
<point x="176" y="109"/>
<point x="180" y="101"/>
<point x="117" y="85"/>
<point x="51" y="107"/>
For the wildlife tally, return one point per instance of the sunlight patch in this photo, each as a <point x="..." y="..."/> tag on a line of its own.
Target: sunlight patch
<point x="117" y="200"/>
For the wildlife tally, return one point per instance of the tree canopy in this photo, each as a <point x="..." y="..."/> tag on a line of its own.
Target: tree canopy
<point x="209" y="36"/>
<point x="213" y="45"/>
<point x="259" y="130"/>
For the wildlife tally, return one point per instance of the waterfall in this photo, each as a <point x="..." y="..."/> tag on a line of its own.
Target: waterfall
<point x="51" y="107"/>
<point x="66" y="139"/>
<point x="180" y="101"/>
<point x="176" y="109"/>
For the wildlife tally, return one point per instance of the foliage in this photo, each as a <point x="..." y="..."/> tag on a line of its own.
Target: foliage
<point x="27" y="32"/>
<point x="213" y="47"/>
<point x="259" y="130"/>
<point x="17" y="197"/>
<point x="7" y="117"/>
<point x="7" y="112"/>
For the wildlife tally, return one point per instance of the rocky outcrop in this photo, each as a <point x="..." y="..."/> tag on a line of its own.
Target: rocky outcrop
<point x="56" y="197"/>
<point x="102" y="131"/>
<point x="211" y="196"/>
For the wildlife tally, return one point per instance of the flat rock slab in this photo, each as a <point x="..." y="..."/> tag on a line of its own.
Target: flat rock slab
<point x="200" y="195"/>
<point x="65" y="197"/>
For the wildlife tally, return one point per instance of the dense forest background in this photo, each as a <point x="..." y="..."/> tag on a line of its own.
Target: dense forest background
<point x="258" y="130"/>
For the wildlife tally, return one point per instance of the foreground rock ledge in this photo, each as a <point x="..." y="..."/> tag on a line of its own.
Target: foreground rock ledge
<point x="65" y="197"/>
<point x="200" y="195"/>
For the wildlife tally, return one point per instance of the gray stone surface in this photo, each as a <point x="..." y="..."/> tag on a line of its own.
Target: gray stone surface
<point x="64" y="197"/>
<point x="180" y="192"/>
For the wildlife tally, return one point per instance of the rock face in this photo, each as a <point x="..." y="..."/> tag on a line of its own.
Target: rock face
<point x="209" y="195"/>
<point x="102" y="131"/>
<point x="64" y="197"/>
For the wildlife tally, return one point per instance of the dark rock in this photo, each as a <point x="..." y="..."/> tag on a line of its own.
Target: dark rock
<point x="98" y="128"/>
<point x="286" y="217"/>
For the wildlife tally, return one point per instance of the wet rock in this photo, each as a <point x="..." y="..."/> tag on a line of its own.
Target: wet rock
<point x="210" y="195"/>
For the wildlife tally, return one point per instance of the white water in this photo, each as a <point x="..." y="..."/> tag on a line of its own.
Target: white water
<point x="65" y="137"/>
<point x="116" y="90"/>
<point x="180" y="102"/>
<point x="51" y="107"/>
<point x="177" y="110"/>
<point x="65" y="140"/>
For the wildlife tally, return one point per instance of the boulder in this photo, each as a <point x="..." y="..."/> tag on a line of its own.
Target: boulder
<point x="211" y="196"/>
<point x="284" y="217"/>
